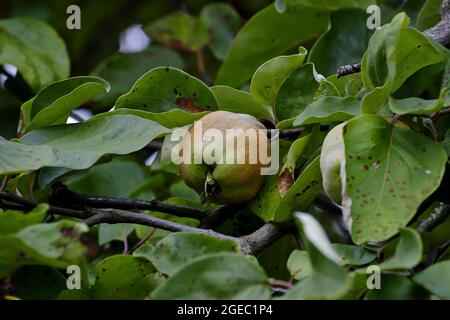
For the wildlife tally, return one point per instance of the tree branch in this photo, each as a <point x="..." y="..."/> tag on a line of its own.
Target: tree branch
<point x="439" y="33"/>
<point x="251" y="244"/>
<point x="437" y="217"/>
<point x="10" y="201"/>
<point x="62" y="196"/>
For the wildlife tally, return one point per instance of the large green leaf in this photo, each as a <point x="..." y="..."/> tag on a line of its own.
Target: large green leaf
<point x="269" y="77"/>
<point x="417" y="105"/>
<point x="327" y="279"/>
<point x="395" y="52"/>
<point x="178" y="249"/>
<point x="164" y="89"/>
<point x="215" y="276"/>
<point x="16" y="157"/>
<point x="122" y="69"/>
<point x="53" y="104"/>
<point x="124" y="277"/>
<point x="79" y="146"/>
<point x="170" y="119"/>
<point x="223" y="22"/>
<point x="296" y="93"/>
<point x="335" y="48"/>
<point x="35" y="49"/>
<point x="117" y="178"/>
<point x="396" y="287"/>
<point x="55" y="244"/>
<point x="329" y="109"/>
<point x="238" y="101"/>
<point x="267" y="35"/>
<point x="180" y="31"/>
<point x="13" y="221"/>
<point x="435" y="279"/>
<point x="408" y="252"/>
<point x="389" y="172"/>
<point x="325" y="4"/>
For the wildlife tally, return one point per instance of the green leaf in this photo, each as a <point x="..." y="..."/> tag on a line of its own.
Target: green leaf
<point x="79" y="146"/>
<point x="294" y="154"/>
<point x="416" y="105"/>
<point x="329" y="109"/>
<point x="335" y="48"/>
<point x="56" y="244"/>
<point x="223" y="22"/>
<point x="429" y="15"/>
<point x="117" y="178"/>
<point x="395" y="53"/>
<point x="266" y="35"/>
<point x="302" y="193"/>
<point x="35" y="49"/>
<point x="13" y="221"/>
<point x="299" y="265"/>
<point x="238" y="101"/>
<point x="434" y="279"/>
<point x="53" y="104"/>
<point x="179" y="31"/>
<point x="122" y="69"/>
<point x="111" y="232"/>
<point x="389" y="172"/>
<point x="327" y="280"/>
<point x="395" y="287"/>
<point x="164" y="89"/>
<point x="174" y="118"/>
<point x="17" y="157"/>
<point x="296" y="93"/>
<point x="354" y="255"/>
<point x="446" y="143"/>
<point x="328" y="4"/>
<point x="215" y="276"/>
<point x="124" y="277"/>
<point x="270" y="206"/>
<point x="408" y="252"/>
<point x="28" y="278"/>
<point x="269" y="77"/>
<point x="178" y="249"/>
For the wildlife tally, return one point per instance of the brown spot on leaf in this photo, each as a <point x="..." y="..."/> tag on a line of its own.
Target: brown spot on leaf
<point x="285" y="182"/>
<point x="188" y="104"/>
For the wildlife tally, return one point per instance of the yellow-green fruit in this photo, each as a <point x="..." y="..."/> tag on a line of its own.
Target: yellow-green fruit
<point x="234" y="183"/>
<point x="333" y="152"/>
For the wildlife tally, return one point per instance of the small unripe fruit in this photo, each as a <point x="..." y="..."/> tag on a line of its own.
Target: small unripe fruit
<point x="333" y="153"/>
<point x="226" y="182"/>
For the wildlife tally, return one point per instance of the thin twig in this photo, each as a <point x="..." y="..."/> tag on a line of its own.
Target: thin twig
<point x="4" y="182"/>
<point x="143" y="240"/>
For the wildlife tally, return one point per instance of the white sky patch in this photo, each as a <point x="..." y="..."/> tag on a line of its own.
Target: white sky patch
<point x="12" y="70"/>
<point x="149" y="161"/>
<point x="133" y="39"/>
<point x="84" y="114"/>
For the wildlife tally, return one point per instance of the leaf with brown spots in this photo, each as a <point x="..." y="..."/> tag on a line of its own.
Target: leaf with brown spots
<point x="392" y="176"/>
